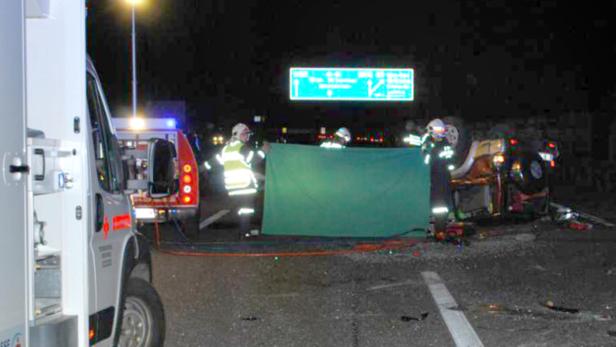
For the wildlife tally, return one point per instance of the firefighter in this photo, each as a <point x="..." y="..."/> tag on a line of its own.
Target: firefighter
<point x="241" y="183"/>
<point x="438" y="153"/>
<point x="341" y="139"/>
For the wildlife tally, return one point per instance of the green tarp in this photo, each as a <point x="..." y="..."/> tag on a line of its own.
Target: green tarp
<point x="350" y="192"/>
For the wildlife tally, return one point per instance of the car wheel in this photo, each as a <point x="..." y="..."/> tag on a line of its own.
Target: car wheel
<point x="460" y="139"/>
<point x="143" y="318"/>
<point x="532" y="178"/>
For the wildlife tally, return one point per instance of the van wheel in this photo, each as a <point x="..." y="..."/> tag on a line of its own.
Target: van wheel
<point x="143" y="318"/>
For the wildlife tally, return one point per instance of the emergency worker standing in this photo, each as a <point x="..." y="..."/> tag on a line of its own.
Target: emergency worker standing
<point x="438" y="153"/>
<point x="237" y="158"/>
<point x="342" y="137"/>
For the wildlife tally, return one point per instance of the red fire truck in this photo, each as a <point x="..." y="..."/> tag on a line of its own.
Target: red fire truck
<point x="136" y="135"/>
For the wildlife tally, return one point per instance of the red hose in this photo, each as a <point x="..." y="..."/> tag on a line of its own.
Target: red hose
<point x="356" y="249"/>
<point x="360" y="248"/>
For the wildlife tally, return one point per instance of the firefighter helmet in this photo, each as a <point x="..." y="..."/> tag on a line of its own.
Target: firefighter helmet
<point x="344" y="134"/>
<point x="239" y="129"/>
<point x="437" y="128"/>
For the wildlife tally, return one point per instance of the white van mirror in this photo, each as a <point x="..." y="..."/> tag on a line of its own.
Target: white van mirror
<point x="162" y="169"/>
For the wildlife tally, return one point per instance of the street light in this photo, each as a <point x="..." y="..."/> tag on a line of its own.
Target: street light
<point x="133" y="4"/>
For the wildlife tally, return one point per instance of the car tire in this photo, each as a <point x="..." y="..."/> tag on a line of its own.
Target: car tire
<point x="464" y="140"/>
<point x="534" y="174"/>
<point x="142" y="317"/>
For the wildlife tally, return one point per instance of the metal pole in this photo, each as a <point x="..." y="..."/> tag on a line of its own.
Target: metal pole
<point x="134" y="61"/>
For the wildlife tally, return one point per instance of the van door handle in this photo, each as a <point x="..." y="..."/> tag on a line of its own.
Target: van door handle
<point x="100" y="212"/>
<point x="19" y="169"/>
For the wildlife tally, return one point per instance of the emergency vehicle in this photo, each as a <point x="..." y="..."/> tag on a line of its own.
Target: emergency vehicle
<point x="136" y="135"/>
<point x="74" y="271"/>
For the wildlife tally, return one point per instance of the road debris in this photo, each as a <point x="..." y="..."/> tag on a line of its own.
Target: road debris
<point x="562" y="213"/>
<point x="550" y="304"/>
<point x="539" y="268"/>
<point x="572" y="314"/>
<point x="579" y="226"/>
<point x="249" y="318"/>
<point x="423" y="316"/>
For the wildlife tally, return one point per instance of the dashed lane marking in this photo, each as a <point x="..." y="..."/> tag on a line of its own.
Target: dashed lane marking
<point x="460" y="329"/>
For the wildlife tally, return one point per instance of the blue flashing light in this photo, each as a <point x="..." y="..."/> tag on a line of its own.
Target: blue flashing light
<point x="170" y="123"/>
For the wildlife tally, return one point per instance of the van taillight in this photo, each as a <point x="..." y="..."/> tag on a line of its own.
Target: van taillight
<point x="187" y="191"/>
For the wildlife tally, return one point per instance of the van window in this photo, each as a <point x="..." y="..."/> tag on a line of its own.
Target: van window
<point x="104" y="151"/>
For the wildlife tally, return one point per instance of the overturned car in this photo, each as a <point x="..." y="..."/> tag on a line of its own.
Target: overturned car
<point x="501" y="175"/>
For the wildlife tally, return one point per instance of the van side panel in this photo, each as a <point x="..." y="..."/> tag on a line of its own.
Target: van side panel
<point x="13" y="318"/>
<point x="56" y="105"/>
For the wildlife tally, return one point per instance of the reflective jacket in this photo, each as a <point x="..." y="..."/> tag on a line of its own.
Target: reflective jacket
<point x="239" y="178"/>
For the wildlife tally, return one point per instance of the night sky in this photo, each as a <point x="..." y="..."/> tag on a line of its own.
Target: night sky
<point x="229" y="60"/>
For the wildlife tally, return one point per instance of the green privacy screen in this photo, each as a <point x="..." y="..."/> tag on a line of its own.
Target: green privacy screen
<point x="350" y="192"/>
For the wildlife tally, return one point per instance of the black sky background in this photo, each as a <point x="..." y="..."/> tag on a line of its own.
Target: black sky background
<point x="229" y="59"/>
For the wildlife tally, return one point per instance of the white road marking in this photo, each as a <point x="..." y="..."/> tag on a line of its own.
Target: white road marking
<point x="392" y="285"/>
<point x="461" y="330"/>
<point x="204" y="223"/>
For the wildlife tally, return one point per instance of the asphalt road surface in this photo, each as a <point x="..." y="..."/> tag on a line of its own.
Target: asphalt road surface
<point x="531" y="284"/>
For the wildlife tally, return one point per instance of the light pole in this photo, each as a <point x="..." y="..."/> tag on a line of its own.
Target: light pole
<point x="133" y="4"/>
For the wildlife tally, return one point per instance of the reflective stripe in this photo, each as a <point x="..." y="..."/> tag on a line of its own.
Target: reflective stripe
<point x="329" y="144"/>
<point x="230" y="156"/>
<point x="249" y="157"/>
<point x="245" y="210"/>
<point x="440" y="210"/>
<point x="451" y="167"/>
<point x="239" y="179"/>
<point x="261" y="154"/>
<point x="546" y="156"/>
<point x="243" y="191"/>
<point x="413" y="140"/>
<point x="238" y="173"/>
<point x="219" y="158"/>
<point x="427" y="159"/>
<point x="446" y="153"/>
<point x="207" y="166"/>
